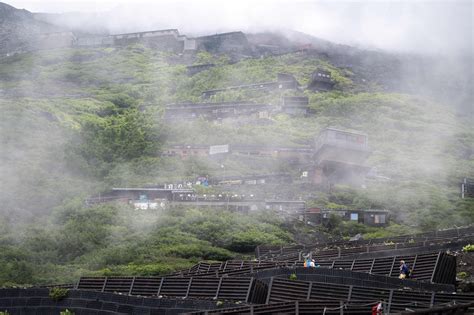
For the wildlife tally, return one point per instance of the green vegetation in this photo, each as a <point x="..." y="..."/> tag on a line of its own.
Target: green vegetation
<point x="468" y="248"/>
<point x="76" y="122"/>
<point x="462" y="275"/>
<point x="116" y="240"/>
<point x="58" y="294"/>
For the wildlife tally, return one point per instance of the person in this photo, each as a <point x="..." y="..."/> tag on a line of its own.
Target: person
<point x="307" y="259"/>
<point x="404" y="270"/>
<point x="377" y="309"/>
<point x="312" y="264"/>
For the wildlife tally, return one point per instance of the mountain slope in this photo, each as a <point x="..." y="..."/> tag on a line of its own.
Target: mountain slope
<point x="19" y="28"/>
<point x="78" y="121"/>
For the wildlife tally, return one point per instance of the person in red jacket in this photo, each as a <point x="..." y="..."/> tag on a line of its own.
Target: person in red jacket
<point x="377" y="309"/>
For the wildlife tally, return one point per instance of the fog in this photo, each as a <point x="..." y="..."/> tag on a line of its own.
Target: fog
<point x="80" y="119"/>
<point x="433" y="27"/>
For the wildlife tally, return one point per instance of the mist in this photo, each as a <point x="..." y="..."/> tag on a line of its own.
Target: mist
<point x="429" y="27"/>
<point x="81" y="120"/>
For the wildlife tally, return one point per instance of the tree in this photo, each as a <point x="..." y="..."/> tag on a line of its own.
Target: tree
<point x="117" y="138"/>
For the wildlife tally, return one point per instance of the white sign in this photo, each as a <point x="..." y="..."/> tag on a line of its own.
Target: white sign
<point x="218" y="149"/>
<point x="147" y="205"/>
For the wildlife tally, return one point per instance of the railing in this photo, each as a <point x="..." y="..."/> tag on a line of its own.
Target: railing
<point x="320" y="142"/>
<point x="37" y="301"/>
<point x="338" y="307"/>
<point x="244" y="289"/>
<point x="368" y="251"/>
<point x="404" y="239"/>
<point x="436" y="267"/>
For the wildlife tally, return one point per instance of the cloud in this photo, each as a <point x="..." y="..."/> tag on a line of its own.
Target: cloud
<point x="434" y="27"/>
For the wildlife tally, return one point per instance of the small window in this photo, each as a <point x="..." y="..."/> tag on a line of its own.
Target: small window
<point x="354" y="217"/>
<point x="379" y="219"/>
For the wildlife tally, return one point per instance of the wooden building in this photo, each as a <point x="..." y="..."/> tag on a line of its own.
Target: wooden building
<point x="321" y="80"/>
<point x="185" y="151"/>
<point x="371" y="217"/>
<point x="231" y="42"/>
<point x="288" y="153"/>
<point x="194" y="69"/>
<point x="295" y="105"/>
<point x="467" y="188"/>
<point x="339" y="157"/>
<point x="290" y="206"/>
<point x="302" y="154"/>
<point x="140" y="197"/>
<point x="284" y="82"/>
<point x="164" y="40"/>
<point x="251" y="179"/>
<point x="214" y="111"/>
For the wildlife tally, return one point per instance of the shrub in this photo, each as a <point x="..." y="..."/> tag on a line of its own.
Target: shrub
<point x="58" y="294"/>
<point x="66" y="312"/>
<point x="468" y="248"/>
<point x="462" y="275"/>
<point x="293" y="277"/>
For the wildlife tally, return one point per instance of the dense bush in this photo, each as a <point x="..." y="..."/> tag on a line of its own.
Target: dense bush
<point x="121" y="137"/>
<point x="57" y="294"/>
<point x="116" y="240"/>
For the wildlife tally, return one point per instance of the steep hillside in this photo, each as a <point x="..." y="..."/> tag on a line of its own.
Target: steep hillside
<point x="77" y="122"/>
<point x="19" y="29"/>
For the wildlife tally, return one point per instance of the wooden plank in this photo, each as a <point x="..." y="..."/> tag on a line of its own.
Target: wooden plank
<point x="189" y="287"/>
<point x="131" y="286"/>
<point x="105" y="282"/>
<point x="372" y="266"/>
<point x="161" y="285"/>
<point x="435" y="267"/>
<point x="308" y="296"/>
<point x="252" y="280"/>
<point x="269" y="291"/>
<point x="218" y="287"/>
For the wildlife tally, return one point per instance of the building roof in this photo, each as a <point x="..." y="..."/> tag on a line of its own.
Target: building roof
<point x="221" y="34"/>
<point x="145" y="32"/>
<point x="152" y="189"/>
<point x="286" y="201"/>
<point x="345" y="131"/>
<point x="357" y="210"/>
<point x="192" y="106"/>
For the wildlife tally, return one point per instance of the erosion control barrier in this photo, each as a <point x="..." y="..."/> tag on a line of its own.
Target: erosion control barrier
<point x="37" y="301"/>
<point x="242" y="289"/>
<point x="414" y="240"/>
<point x="348" y="277"/>
<point x="436" y="267"/>
<point x="370" y="251"/>
<point x="340" y="308"/>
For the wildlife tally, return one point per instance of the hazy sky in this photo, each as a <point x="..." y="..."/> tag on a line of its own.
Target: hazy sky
<point x="428" y="26"/>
